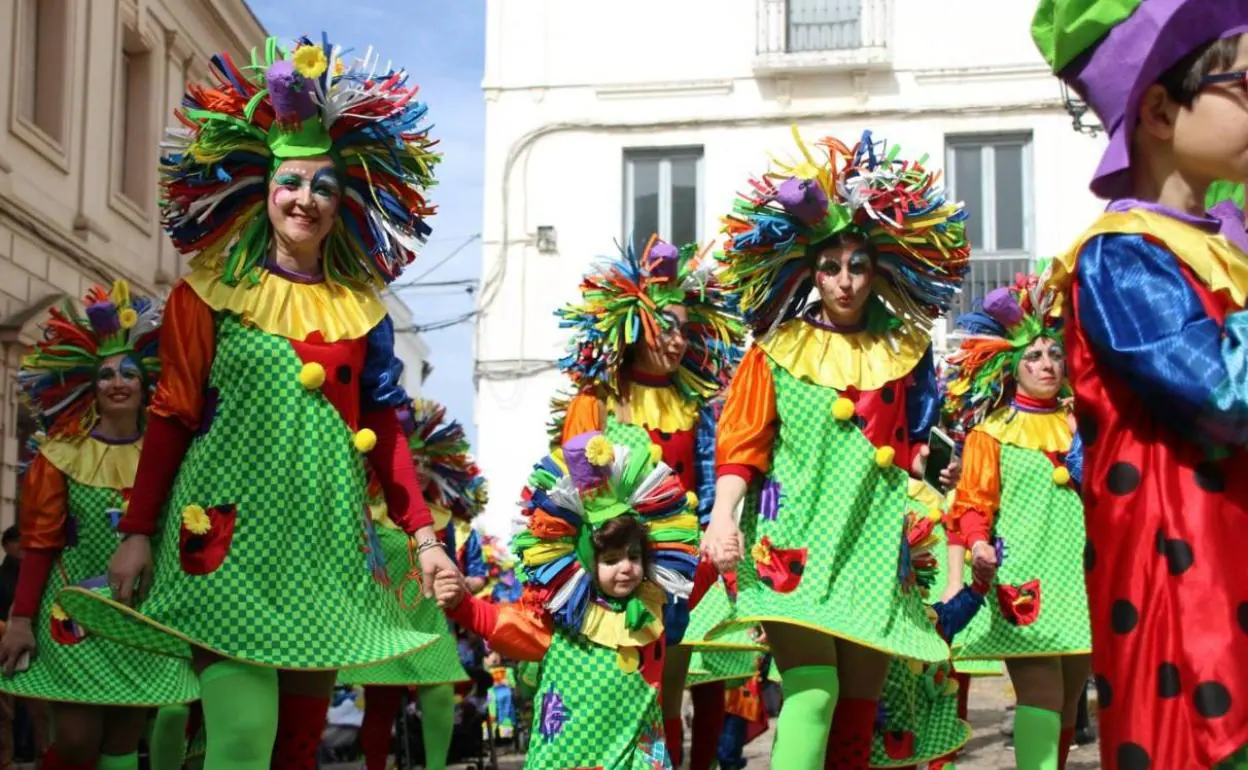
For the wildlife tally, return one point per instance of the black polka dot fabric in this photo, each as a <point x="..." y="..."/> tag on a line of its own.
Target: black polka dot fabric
<point x="1132" y="756"/>
<point x="1123" y="479"/>
<point x="1211" y="699"/>
<point x="1179" y="557"/>
<point x="1124" y="617"/>
<point x="1168" y="683"/>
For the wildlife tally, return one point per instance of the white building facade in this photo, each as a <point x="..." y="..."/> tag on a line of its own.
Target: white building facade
<point x="605" y="121"/>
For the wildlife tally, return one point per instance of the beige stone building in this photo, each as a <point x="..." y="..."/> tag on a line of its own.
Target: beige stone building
<point x="86" y="88"/>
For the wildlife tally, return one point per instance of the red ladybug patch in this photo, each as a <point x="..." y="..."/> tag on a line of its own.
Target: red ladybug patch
<point x="1020" y="605"/>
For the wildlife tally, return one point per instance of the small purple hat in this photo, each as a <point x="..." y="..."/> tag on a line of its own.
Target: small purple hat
<point x="1113" y="76"/>
<point x="804" y="199"/>
<point x="291" y="93"/>
<point x="1001" y="305"/>
<point x="579" y="455"/>
<point x="663" y="260"/>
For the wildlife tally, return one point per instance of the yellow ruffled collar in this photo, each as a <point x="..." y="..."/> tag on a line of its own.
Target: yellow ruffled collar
<point x="291" y="309"/>
<point x="657" y="407"/>
<point x="1215" y="261"/>
<point x="844" y="360"/>
<point x="1042" y="431"/>
<point x="606" y="627"/>
<point x="93" y="462"/>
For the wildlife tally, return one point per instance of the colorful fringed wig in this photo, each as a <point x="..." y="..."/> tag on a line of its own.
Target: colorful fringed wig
<point x="622" y="303"/>
<point x="303" y="103"/>
<point x="898" y="206"/>
<point x="57" y="375"/>
<point x="578" y="488"/>
<point x="981" y="374"/>
<point x="454" y="485"/>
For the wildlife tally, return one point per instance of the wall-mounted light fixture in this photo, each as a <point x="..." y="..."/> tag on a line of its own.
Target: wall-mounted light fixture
<point x="547" y="242"/>
<point x="1077" y="109"/>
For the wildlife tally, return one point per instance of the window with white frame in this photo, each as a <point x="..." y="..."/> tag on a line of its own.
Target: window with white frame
<point x="662" y="194"/>
<point x="991" y="174"/>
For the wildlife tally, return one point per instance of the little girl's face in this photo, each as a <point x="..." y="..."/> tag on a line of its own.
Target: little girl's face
<point x="619" y="571"/>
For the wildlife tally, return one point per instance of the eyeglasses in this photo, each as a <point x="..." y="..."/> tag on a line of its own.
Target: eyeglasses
<point x="1239" y="76"/>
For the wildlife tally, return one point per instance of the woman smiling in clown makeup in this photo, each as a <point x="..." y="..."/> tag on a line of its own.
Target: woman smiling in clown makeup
<point x="298" y="189"/>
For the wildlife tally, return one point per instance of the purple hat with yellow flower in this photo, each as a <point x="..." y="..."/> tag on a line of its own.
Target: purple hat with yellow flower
<point x="1110" y="51"/>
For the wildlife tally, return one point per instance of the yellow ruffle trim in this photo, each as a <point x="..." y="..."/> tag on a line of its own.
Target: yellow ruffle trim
<point x="95" y="463"/>
<point x="606" y="628"/>
<point x="924" y="495"/>
<point x="1214" y="260"/>
<point x="661" y="408"/>
<point x="834" y="360"/>
<point x="1043" y="431"/>
<point x="293" y="310"/>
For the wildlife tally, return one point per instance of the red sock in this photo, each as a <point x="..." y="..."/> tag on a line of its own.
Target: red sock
<point x="381" y="706"/>
<point x="673" y="736"/>
<point x="1064" y="739"/>
<point x="53" y="762"/>
<point x="853" y="729"/>
<point x="964" y="694"/>
<point x="708" y="723"/>
<point x="300" y="723"/>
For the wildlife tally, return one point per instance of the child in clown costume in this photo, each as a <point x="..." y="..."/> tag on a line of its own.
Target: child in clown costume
<point x="611" y="538"/>
<point x="87" y="381"/>
<point x="1154" y="294"/>
<point x="1018" y="510"/>
<point x="843" y="390"/>
<point x="654" y="341"/>
<point x="298" y="188"/>
<point x="440" y="452"/>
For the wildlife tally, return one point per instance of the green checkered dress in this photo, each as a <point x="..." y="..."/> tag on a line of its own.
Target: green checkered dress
<point x="830" y="558"/>
<point x="730" y="657"/>
<point x="594" y="708"/>
<point x="71" y="666"/>
<point x="978" y="667"/>
<point x="281" y="577"/>
<point x="1041" y="524"/>
<point x="436" y="664"/>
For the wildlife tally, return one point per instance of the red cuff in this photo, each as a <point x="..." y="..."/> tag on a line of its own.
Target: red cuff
<point x="481" y="618"/>
<point x="392" y="462"/>
<point x="980" y="588"/>
<point x="954" y="538"/>
<point x="164" y="445"/>
<point x="746" y="472"/>
<point x="973" y="527"/>
<point x="703" y="579"/>
<point x="32" y="578"/>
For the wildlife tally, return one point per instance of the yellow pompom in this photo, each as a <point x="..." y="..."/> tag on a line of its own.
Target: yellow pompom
<point x="884" y="456"/>
<point x="58" y="613"/>
<point x="599" y="451"/>
<point x="127" y="318"/>
<point x="365" y="440"/>
<point x="312" y="375"/>
<point x="935" y="514"/>
<point x="656" y="454"/>
<point x="843" y="409"/>
<point x="691" y="500"/>
<point x="1061" y="476"/>
<point x="195" y="519"/>
<point x="310" y="61"/>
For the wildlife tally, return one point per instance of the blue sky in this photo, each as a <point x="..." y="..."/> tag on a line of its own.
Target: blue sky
<point x="442" y="46"/>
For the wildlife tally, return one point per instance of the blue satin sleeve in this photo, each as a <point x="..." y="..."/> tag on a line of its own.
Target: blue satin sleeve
<point x="704" y="456"/>
<point x="381" y="382"/>
<point x="956" y="614"/>
<point x="1074" y="460"/>
<point x="474" y="559"/>
<point x="922" y="399"/>
<point x="1143" y="317"/>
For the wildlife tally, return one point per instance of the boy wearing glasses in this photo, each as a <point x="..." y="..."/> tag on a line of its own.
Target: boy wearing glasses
<point x="1158" y="354"/>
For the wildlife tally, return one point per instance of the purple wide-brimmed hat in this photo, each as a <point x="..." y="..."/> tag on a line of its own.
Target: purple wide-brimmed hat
<point x="1113" y="75"/>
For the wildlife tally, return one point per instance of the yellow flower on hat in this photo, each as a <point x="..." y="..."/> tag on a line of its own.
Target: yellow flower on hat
<point x="310" y="61"/>
<point x="128" y="317"/>
<point x="196" y="520"/>
<point x="599" y="451"/>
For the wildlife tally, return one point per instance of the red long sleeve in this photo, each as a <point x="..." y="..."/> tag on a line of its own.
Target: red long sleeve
<point x="32" y="578"/>
<point x="481" y="618"/>
<point x="164" y="445"/>
<point x="703" y="579"/>
<point x="392" y="463"/>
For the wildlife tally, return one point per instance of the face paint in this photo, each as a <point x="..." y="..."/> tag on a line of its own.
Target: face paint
<point x="127" y="370"/>
<point x="324" y="185"/>
<point x="859" y="263"/>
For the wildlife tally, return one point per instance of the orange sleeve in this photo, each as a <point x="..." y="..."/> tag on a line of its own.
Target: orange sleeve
<point x="747" y="426"/>
<point x="44" y="506"/>
<point x="521" y="631"/>
<point x="979" y="489"/>
<point x="187" y="345"/>
<point x="584" y="415"/>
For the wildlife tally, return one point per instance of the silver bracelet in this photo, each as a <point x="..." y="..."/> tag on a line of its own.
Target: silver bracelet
<point x="425" y="545"/>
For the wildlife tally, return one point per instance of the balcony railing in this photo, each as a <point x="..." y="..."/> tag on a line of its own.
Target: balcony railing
<point x="988" y="273"/>
<point x="823" y="35"/>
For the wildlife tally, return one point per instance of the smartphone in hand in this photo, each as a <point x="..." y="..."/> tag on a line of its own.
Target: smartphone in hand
<point x="940" y="452"/>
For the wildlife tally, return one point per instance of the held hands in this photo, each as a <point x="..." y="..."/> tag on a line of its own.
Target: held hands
<point x="449" y="589"/>
<point x="130" y="570"/>
<point x="435" y="568"/>
<point x="983" y="562"/>
<point x="722" y="543"/>
<point x="18" y="640"/>
<point x="948" y="477"/>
